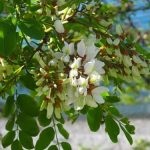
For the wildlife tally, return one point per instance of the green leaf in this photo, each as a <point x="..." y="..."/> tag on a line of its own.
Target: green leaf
<point x="32" y="28"/>
<point x="66" y="146"/>
<point x="26" y="140"/>
<point x="10" y="123"/>
<point x="94" y="117"/>
<point x="130" y="128"/>
<point x="63" y="131"/>
<point x="28" y="124"/>
<point x="9" y="106"/>
<point x="43" y="119"/>
<point x="16" y="145"/>
<point x="142" y="50"/>
<point x="1" y="6"/>
<point x="128" y="136"/>
<point x="7" y="37"/>
<point x="53" y="147"/>
<point x="45" y="138"/>
<point x="28" y="81"/>
<point x="27" y="105"/>
<point x="114" y="111"/>
<point x="112" y="128"/>
<point x="112" y="99"/>
<point x="8" y="139"/>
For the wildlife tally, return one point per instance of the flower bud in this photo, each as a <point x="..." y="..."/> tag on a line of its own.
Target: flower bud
<point x="59" y="26"/>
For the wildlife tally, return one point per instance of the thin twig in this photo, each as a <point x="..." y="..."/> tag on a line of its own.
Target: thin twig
<point x="57" y="140"/>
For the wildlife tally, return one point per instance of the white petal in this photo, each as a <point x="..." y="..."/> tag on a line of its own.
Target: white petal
<point x="81" y="48"/>
<point x="73" y="73"/>
<point x="96" y="93"/>
<point x="90" y="101"/>
<point x="66" y="58"/>
<point x="49" y="110"/>
<point x="99" y="67"/>
<point x="95" y="78"/>
<point x="135" y="71"/>
<point x="76" y="63"/>
<point x="116" y="42"/>
<point x="59" y="26"/>
<point x="119" y="30"/>
<point x="58" y="112"/>
<point x="71" y="48"/>
<point x="91" y="52"/>
<point x="89" y="66"/>
<point x="127" y="61"/>
<point x="109" y="41"/>
<point x="80" y="102"/>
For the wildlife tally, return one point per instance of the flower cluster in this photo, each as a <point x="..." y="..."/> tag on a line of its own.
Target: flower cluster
<point x="123" y="61"/>
<point x="5" y="69"/>
<point x="71" y="77"/>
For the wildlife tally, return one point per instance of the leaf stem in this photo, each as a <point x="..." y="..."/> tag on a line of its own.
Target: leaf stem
<point x="57" y="140"/>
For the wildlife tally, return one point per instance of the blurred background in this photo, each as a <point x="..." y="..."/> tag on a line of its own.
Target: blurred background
<point x="134" y="16"/>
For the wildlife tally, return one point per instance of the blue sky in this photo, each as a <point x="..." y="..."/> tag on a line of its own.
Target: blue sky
<point x="140" y="18"/>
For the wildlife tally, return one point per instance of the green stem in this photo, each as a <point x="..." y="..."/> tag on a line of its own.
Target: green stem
<point x="57" y="140"/>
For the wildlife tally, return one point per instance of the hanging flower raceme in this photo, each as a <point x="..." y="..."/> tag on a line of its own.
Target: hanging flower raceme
<point x="75" y="82"/>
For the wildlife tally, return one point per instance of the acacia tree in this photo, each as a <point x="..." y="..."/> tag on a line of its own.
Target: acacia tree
<point x="65" y="56"/>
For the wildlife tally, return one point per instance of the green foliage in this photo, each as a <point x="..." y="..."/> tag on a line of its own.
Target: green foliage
<point x="112" y="128"/>
<point x="7" y="37"/>
<point x="62" y="130"/>
<point x="94" y="118"/>
<point x="16" y="145"/>
<point x="32" y="28"/>
<point x="8" y="139"/>
<point x="28" y="81"/>
<point x="28" y="124"/>
<point x="66" y="145"/>
<point x="26" y="140"/>
<point x="43" y="121"/>
<point x="9" y="106"/>
<point x="45" y="138"/>
<point x="10" y="123"/>
<point x="27" y="105"/>
<point x="53" y="147"/>
<point x="41" y="46"/>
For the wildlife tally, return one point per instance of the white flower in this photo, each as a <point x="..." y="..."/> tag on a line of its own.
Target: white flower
<point x="59" y="26"/>
<point x="39" y="59"/>
<point x="79" y="103"/>
<point x="83" y="81"/>
<point x="127" y="61"/>
<point x="89" y="67"/>
<point x="99" y="66"/>
<point x="60" y="2"/>
<point x="76" y="64"/>
<point x="57" y="112"/>
<point x="74" y="82"/>
<point x="95" y="78"/>
<point x="73" y="73"/>
<point x="135" y="71"/>
<point x="137" y="60"/>
<point x="81" y="48"/>
<point x="40" y="81"/>
<point x="83" y="85"/>
<point x="94" y="65"/>
<point x="91" y="52"/>
<point x="90" y="101"/>
<point x="68" y="50"/>
<point x="66" y="58"/>
<point x="50" y="110"/>
<point x="145" y="71"/>
<point x="96" y="93"/>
